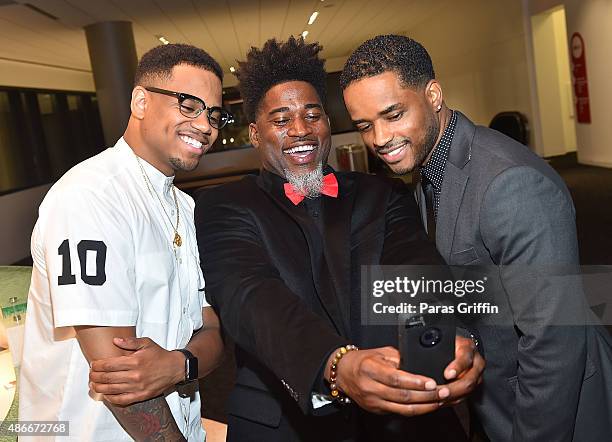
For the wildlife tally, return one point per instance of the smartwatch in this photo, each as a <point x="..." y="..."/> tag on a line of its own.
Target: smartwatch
<point x="191" y="366"/>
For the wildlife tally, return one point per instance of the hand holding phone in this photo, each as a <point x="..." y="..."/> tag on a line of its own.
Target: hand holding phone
<point x="427" y="344"/>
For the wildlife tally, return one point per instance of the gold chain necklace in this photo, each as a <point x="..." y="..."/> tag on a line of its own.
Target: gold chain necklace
<point x="178" y="241"/>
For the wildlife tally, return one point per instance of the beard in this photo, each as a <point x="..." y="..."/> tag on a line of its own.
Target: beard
<point x="308" y="184"/>
<point x="423" y="149"/>
<point x="182" y="165"/>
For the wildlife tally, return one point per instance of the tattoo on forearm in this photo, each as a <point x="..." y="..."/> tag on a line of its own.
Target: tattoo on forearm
<point x="148" y="421"/>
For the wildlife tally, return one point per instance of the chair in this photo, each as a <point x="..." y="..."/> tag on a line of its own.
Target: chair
<point x="513" y="124"/>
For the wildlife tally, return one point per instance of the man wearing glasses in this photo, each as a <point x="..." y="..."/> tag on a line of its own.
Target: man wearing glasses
<point x="116" y="270"/>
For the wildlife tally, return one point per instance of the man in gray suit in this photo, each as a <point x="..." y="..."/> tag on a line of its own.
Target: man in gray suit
<point x="487" y="200"/>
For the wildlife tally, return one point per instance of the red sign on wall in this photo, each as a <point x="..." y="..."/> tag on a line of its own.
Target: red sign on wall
<point x="581" y="84"/>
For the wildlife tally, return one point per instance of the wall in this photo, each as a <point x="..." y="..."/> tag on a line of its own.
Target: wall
<point x="592" y="19"/>
<point x="479" y="55"/>
<point x="565" y="80"/>
<point x="19" y="74"/>
<point x="554" y="92"/>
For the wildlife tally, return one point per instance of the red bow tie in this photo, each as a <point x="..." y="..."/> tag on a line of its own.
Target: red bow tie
<point x="330" y="188"/>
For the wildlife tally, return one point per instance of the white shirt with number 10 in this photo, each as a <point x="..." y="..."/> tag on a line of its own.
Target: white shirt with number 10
<point x="103" y="256"/>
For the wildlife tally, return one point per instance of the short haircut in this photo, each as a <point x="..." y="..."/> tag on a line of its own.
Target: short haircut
<point x="383" y="53"/>
<point x="159" y="61"/>
<point x="279" y="62"/>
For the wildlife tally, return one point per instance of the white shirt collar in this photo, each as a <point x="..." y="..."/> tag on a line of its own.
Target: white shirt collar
<point x="161" y="183"/>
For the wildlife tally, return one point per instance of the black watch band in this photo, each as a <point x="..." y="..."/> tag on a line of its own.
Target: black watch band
<point x="191" y="366"/>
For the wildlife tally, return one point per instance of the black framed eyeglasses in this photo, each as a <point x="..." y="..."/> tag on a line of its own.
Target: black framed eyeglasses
<point x="192" y="106"/>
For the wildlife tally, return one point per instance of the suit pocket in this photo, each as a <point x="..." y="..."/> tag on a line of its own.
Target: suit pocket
<point x="255" y="405"/>
<point x="464" y="257"/>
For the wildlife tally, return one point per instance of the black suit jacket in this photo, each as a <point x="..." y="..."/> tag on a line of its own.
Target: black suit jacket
<point x="288" y="294"/>
<point x="503" y="207"/>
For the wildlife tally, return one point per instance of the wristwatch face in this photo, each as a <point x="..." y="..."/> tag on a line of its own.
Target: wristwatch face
<point x="191" y="368"/>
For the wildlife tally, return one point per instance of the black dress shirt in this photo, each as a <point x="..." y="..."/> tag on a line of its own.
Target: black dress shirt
<point x="433" y="171"/>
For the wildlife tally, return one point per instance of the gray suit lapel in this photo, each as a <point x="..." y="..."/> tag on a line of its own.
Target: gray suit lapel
<point x="453" y="188"/>
<point x="454" y="184"/>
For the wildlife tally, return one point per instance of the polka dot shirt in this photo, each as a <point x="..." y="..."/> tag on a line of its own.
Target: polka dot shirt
<point x="434" y="169"/>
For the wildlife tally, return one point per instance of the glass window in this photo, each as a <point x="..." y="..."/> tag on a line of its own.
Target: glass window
<point x="12" y="169"/>
<point x="57" y="132"/>
<point x="235" y="135"/>
<point x="43" y="134"/>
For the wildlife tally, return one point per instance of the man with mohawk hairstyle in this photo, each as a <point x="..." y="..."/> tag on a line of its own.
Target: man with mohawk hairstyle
<point x="282" y="255"/>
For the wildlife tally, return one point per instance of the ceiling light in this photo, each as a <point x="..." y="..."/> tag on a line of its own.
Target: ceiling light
<point x="163" y="39"/>
<point x="304" y="34"/>
<point x="224" y="141"/>
<point x="313" y="17"/>
<point x="232" y="69"/>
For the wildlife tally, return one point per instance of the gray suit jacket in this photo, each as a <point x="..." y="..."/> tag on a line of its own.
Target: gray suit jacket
<point x="501" y="205"/>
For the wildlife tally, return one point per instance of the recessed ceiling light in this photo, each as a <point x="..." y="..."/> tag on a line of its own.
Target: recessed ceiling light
<point x="232" y="69"/>
<point x="304" y="34"/>
<point x="313" y="17"/>
<point x="162" y="39"/>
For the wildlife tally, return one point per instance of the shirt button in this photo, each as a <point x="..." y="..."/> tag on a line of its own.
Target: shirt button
<point x="315" y="214"/>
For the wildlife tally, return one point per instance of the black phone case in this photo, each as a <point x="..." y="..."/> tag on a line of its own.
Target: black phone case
<point x="419" y="353"/>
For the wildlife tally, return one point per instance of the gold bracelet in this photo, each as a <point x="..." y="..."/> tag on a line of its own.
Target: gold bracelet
<point x="333" y="374"/>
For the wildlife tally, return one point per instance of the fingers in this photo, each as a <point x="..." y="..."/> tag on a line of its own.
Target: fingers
<point x="131" y="343"/>
<point x="381" y="372"/>
<point x="370" y="378"/>
<point x="113" y="388"/>
<point x="125" y="398"/>
<point x="402" y="396"/>
<point x="120" y="363"/>
<point x="114" y="377"/>
<point x="464" y="385"/>
<point x="464" y="358"/>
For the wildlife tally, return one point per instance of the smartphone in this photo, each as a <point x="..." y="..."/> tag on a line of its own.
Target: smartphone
<point x="427" y="344"/>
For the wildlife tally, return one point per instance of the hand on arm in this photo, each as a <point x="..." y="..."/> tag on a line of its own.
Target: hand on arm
<point x="149" y="420"/>
<point x="149" y="370"/>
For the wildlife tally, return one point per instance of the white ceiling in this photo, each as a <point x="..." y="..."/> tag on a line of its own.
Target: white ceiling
<point x="224" y="28"/>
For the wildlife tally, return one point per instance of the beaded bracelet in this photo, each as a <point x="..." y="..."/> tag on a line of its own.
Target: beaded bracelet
<point x="333" y="374"/>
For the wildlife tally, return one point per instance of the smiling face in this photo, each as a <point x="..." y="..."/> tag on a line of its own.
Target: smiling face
<point x="399" y="124"/>
<point x="291" y="129"/>
<point x="172" y="141"/>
